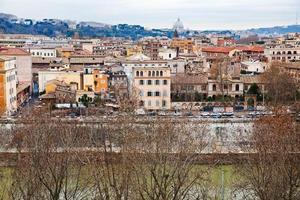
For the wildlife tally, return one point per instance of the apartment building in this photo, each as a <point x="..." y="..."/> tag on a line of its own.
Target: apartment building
<point x="8" y="90"/>
<point x="283" y="53"/>
<point x="183" y="45"/>
<point x="153" y="87"/>
<point x="95" y="80"/>
<point x="130" y="64"/>
<point x="23" y="72"/>
<point x="42" y="52"/>
<point x="150" y="48"/>
<point x="23" y="63"/>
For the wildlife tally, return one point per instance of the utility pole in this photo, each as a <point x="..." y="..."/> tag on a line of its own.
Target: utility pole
<point x="222" y="185"/>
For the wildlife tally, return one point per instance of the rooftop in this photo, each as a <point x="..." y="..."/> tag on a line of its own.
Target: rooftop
<point x="13" y="52"/>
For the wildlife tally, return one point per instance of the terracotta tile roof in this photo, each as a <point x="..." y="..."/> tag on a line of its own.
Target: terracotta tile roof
<point x="228" y="49"/>
<point x="251" y="48"/>
<point x="183" y="79"/>
<point x="252" y="79"/>
<point x="13" y="52"/>
<point x="218" y="49"/>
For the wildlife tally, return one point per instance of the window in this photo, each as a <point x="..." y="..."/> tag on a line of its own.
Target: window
<point x="141" y="82"/>
<point x="149" y="82"/>
<point x="149" y="73"/>
<point x="153" y="73"/>
<point x="156" y="82"/>
<point x="137" y="73"/>
<point x="157" y="93"/>
<point x="157" y="73"/>
<point x="142" y="73"/>
<point x="161" y="73"/>
<point x="164" y="103"/>
<point x="214" y="87"/>
<point x="157" y="103"/>
<point x="165" y="82"/>
<point x="237" y="87"/>
<point x="149" y="94"/>
<point x="170" y="55"/>
<point x="165" y="93"/>
<point x="149" y="103"/>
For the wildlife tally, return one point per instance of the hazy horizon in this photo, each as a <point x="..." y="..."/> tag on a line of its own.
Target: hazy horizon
<point x="195" y="14"/>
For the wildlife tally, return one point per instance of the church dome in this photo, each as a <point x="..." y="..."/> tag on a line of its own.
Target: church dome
<point x="178" y="26"/>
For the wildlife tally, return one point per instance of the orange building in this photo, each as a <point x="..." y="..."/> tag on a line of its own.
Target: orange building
<point x="183" y="45"/>
<point x="100" y="81"/>
<point x="95" y="80"/>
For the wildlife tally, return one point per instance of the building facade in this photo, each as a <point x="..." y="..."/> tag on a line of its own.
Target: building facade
<point x="283" y="53"/>
<point x="43" y="52"/>
<point x="8" y="89"/>
<point x="152" y="86"/>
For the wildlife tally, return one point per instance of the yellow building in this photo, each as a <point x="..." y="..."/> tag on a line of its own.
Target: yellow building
<point x="67" y="52"/>
<point x="134" y="50"/>
<point x="73" y="78"/>
<point x="8" y="89"/>
<point x="51" y="86"/>
<point x="184" y="45"/>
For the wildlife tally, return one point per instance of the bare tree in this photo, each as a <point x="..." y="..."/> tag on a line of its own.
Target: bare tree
<point x="281" y="87"/>
<point x="164" y="157"/>
<point x="47" y="166"/>
<point x="272" y="169"/>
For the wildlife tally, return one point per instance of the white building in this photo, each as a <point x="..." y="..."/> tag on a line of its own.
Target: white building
<point x="177" y="66"/>
<point x="253" y="66"/>
<point x="167" y="54"/>
<point x="130" y="64"/>
<point x="43" y="52"/>
<point x="283" y="53"/>
<point x="153" y="87"/>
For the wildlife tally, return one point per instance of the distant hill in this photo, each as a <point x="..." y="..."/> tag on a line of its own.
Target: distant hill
<point x="277" y="30"/>
<point x="95" y="24"/>
<point x="7" y="16"/>
<point x="56" y="27"/>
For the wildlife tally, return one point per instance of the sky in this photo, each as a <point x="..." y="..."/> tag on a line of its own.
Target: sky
<point x="195" y="14"/>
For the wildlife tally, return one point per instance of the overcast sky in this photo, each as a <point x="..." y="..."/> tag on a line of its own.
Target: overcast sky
<point x="195" y="14"/>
